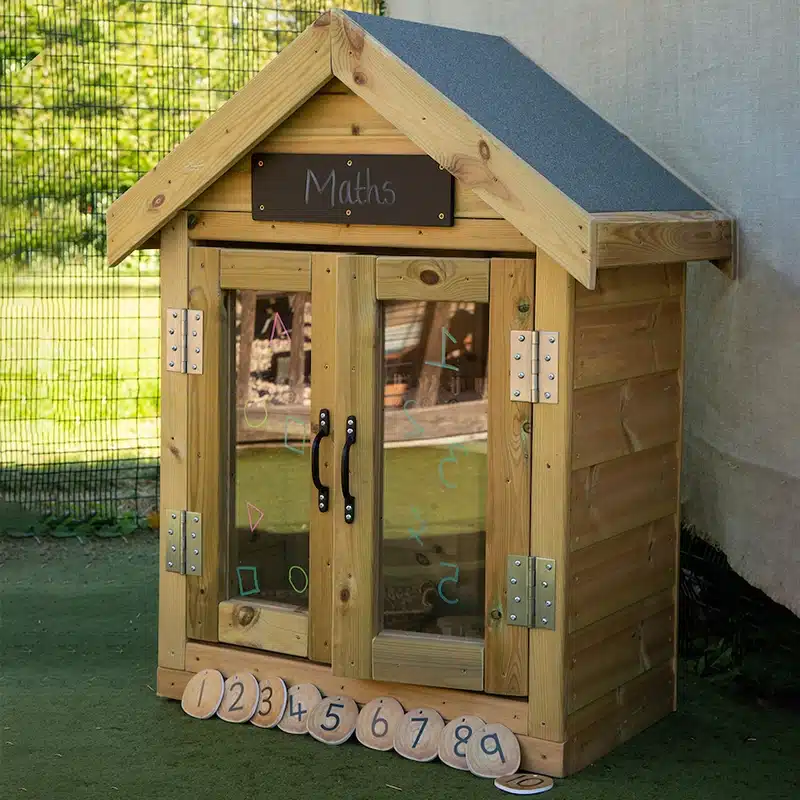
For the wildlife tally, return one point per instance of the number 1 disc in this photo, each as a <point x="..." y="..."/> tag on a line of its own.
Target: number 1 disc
<point x="377" y="723"/>
<point x="272" y="703"/>
<point x="203" y="694"/>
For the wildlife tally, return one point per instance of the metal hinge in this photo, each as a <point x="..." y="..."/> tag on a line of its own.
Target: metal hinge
<point x="531" y="584"/>
<point x="184" y="542"/>
<point x="184" y="337"/>
<point x="533" y="359"/>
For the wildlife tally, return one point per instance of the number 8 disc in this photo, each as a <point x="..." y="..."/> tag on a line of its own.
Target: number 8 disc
<point x="272" y="703"/>
<point x="455" y="737"/>
<point x="377" y="723"/>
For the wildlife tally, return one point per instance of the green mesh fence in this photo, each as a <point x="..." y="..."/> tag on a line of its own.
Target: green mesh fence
<point x="92" y="94"/>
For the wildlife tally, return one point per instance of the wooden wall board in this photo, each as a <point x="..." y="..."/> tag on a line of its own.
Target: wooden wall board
<point x="433" y="279"/>
<point x="174" y="486"/>
<point x="466" y="234"/>
<point x="359" y="350"/>
<point x="632" y="284"/>
<point x="273" y="270"/>
<point x="270" y="97"/>
<point x="206" y="473"/>
<point x="508" y="499"/>
<point x="264" y="626"/>
<point x="550" y="502"/>
<point x="428" y="660"/>
<point x="621" y="571"/>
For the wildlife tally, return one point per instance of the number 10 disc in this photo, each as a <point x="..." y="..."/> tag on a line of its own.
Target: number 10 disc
<point x="377" y="723"/>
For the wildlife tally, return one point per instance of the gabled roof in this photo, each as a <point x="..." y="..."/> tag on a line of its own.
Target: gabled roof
<point x="556" y="170"/>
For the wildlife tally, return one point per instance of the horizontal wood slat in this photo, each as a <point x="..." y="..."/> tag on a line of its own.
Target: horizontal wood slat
<point x="618" y="495"/>
<point x="276" y="270"/>
<point x="264" y="626"/>
<point x="428" y="660"/>
<point x="614" y="650"/>
<point x="465" y="234"/>
<point x="631" y="284"/>
<point x="616" y="419"/>
<point x="620" y="571"/>
<point x="425" y="278"/>
<point x="613" y="343"/>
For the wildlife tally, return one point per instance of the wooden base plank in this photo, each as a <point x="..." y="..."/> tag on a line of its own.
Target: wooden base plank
<point x="265" y="626"/>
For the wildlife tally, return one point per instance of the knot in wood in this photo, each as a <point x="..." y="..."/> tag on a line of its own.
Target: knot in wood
<point x="323" y="20"/>
<point x="429" y="277"/>
<point x="158" y="201"/>
<point x="359" y="78"/>
<point x="245" y="615"/>
<point x="344" y="595"/>
<point x="483" y="150"/>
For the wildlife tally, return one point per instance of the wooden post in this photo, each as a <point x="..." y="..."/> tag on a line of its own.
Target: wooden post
<point x="247" y="324"/>
<point x="297" y="350"/>
<point x="430" y="375"/>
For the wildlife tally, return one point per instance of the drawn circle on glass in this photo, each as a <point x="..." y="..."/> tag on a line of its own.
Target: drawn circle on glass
<point x="271" y="703"/>
<point x="417" y="735"/>
<point x="378" y="722"/>
<point x="524" y="783"/>
<point x="301" y="701"/>
<point x="291" y="582"/>
<point x="493" y="752"/>
<point x="455" y="738"/>
<point x="333" y="720"/>
<point x="203" y="694"/>
<point x="240" y="700"/>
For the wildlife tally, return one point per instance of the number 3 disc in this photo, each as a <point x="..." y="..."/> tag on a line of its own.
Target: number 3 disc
<point x="203" y="694"/>
<point x="378" y="722"/>
<point x="333" y="720"/>
<point x="272" y="703"/>
<point x="417" y="735"/>
<point x="302" y="699"/>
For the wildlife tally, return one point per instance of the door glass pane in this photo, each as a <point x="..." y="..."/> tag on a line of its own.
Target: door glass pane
<point x="434" y="493"/>
<point x="272" y="384"/>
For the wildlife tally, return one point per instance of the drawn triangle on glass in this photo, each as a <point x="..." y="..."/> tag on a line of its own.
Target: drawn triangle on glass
<point x="251" y="512"/>
<point x="283" y="331"/>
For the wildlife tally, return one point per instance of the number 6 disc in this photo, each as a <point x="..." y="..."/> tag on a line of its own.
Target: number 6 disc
<point x="333" y="720"/>
<point x="378" y="722"/>
<point x="417" y="735"/>
<point x="493" y="752"/>
<point x="272" y="703"/>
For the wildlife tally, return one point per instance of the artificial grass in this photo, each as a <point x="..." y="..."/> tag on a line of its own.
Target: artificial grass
<point x="80" y="718"/>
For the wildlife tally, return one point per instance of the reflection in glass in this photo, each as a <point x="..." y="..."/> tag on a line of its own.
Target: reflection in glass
<point x="269" y="539"/>
<point x="434" y="496"/>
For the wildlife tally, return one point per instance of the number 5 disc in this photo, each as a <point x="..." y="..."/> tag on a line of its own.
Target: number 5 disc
<point x="417" y="735"/>
<point x="378" y="722"/>
<point x="333" y="720"/>
<point x="272" y="703"/>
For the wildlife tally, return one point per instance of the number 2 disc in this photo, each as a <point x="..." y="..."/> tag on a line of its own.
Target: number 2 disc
<point x="455" y="738"/>
<point x="271" y="703"/>
<point x="240" y="700"/>
<point x="302" y="699"/>
<point x="493" y="752"/>
<point x="524" y="783"/>
<point x="378" y="722"/>
<point x="333" y="720"/>
<point x="417" y="735"/>
<point x="203" y="694"/>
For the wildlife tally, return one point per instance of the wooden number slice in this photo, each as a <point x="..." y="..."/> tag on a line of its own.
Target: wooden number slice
<point x="454" y="740"/>
<point x="417" y="735"/>
<point x="240" y="700"/>
<point x="302" y="699"/>
<point x="271" y="703"/>
<point x="493" y="752"/>
<point x="524" y="783"/>
<point x="333" y="720"/>
<point x="203" y="694"/>
<point x="378" y="722"/>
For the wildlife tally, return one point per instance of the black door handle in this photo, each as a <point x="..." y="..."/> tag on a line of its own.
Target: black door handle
<point x="349" y="500"/>
<point x="323" y="492"/>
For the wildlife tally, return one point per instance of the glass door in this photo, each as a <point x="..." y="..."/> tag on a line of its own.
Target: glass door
<point x="451" y="473"/>
<point x="280" y="442"/>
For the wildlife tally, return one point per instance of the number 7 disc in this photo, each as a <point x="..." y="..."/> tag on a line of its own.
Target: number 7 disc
<point x="272" y="703"/>
<point x="417" y="735"/>
<point x="377" y="723"/>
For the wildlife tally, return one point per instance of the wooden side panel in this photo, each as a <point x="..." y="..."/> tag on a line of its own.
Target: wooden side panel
<point x="355" y="546"/>
<point x="174" y="446"/>
<point x="632" y="285"/>
<point x="425" y="278"/>
<point x="264" y="626"/>
<point x="509" y="468"/>
<point x="206" y="473"/>
<point x="428" y="660"/>
<point x="550" y="503"/>
<point x="287" y="271"/>
<point x="323" y="392"/>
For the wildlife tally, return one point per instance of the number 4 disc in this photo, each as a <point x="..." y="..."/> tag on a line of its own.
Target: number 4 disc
<point x="272" y="703"/>
<point x="377" y="723"/>
<point x="302" y="699"/>
<point x="333" y="720"/>
<point x="203" y="694"/>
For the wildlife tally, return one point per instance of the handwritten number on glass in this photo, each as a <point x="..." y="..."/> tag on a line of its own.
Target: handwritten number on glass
<point x="445" y="335"/>
<point x="419" y="528"/>
<point x="411" y="419"/>
<point x="451" y="459"/>
<point x="448" y="579"/>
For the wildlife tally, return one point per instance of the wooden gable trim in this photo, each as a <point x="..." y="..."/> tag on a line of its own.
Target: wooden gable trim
<point x="540" y="211"/>
<point x="293" y="76"/>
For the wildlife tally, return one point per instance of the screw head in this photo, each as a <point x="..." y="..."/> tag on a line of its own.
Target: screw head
<point x="544" y="584"/>
<point x="548" y="603"/>
<point x="513" y="617"/>
<point x="172" y="363"/>
<point x="196" y="552"/>
<point x="197" y="349"/>
<point x="174" y="347"/>
<point x="551" y="376"/>
<point x="349" y="162"/>
<point x="194" y="535"/>
<point x="547" y="395"/>
<point x="517" y="356"/>
<point x="174" y="516"/>
<point x="350" y="431"/>
<point x="544" y="620"/>
<point x="171" y="331"/>
<point x="517" y="563"/>
<point x="348" y="517"/>
<point x="348" y="508"/>
<point x="522" y="338"/>
<point x="174" y="549"/>
<point x="194" y="569"/>
<point x="197" y="317"/>
<point x="194" y="366"/>
<point x="261" y="207"/>
<point x="441" y="215"/>
<point x="170" y="531"/>
<point x="517" y="599"/>
<point x="514" y="581"/>
<point x="260" y="163"/>
<point x="322" y="506"/>
<point x="516" y="392"/>
<point x="548" y="566"/>
<point x="548" y="357"/>
<point x="323" y="414"/>
<point x="174" y="314"/>
<point x="551" y="339"/>
<point x="520" y="374"/>
<point x="170" y="564"/>
<point x="348" y="212"/>
<point x="194" y="333"/>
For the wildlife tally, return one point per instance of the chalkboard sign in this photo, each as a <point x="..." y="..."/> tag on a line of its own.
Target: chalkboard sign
<point x="352" y="189"/>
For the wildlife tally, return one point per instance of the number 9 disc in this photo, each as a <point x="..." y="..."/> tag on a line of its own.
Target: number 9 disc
<point x="493" y="752"/>
<point x="272" y="703"/>
<point x="377" y="723"/>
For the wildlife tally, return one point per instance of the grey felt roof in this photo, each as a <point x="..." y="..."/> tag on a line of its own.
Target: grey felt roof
<point x="545" y="124"/>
